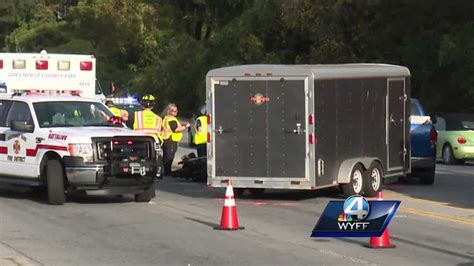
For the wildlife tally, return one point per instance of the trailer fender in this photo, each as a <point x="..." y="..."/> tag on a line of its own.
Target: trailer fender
<point x="344" y="174"/>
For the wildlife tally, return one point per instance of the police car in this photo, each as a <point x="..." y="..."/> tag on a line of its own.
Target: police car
<point x="70" y="143"/>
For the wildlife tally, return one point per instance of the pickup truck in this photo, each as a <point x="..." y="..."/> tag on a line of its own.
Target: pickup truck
<point x="423" y="144"/>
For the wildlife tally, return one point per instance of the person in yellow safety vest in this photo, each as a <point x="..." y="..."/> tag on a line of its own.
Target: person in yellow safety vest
<point x="200" y="135"/>
<point x="172" y="134"/>
<point x="117" y="111"/>
<point x="146" y="121"/>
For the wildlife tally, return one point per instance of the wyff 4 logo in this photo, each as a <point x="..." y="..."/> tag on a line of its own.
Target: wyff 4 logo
<point x="355" y="217"/>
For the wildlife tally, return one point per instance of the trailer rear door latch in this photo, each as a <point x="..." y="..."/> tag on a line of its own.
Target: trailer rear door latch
<point x="299" y="130"/>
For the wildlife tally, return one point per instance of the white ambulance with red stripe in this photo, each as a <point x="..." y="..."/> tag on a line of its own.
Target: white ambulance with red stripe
<point x="71" y="143"/>
<point x="63" y="73"/>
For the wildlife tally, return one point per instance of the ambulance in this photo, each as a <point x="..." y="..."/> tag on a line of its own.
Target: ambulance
<point x="63" y="73"/>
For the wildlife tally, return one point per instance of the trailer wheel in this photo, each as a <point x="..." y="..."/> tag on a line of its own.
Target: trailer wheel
<point x="238" y="192"/>
<point x="55" y="182"/>
<point x="374" y="180"/>
<point x="356" y="183"/>
<point x="146" y="195"/>
<point x="256" y="191"/>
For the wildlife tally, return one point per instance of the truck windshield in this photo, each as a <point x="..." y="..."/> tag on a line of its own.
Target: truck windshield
<point x="73" y="114"/>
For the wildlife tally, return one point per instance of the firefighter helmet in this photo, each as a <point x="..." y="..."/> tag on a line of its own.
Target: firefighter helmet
<point x="148" y="100"/>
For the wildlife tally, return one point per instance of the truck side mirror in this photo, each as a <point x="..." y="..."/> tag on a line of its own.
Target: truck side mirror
<point x="21" y="126"/>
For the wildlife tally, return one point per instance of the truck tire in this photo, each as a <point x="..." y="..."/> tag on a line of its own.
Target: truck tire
<point x="374" y="180"/>
<point x="55" y="182"/>
<point x="448" y="156"/>
<point x="146" y="195"/>
<point x="356" y="182"/>
<point x="426" y="176"/>
<point x="256" y="191"/>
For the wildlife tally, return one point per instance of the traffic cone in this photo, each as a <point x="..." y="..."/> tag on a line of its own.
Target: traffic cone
<point x="382" y="241"/>
<point x="229" y="220"/>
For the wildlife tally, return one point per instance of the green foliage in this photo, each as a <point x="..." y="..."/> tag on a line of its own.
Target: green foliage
<point x="166" y="47"/>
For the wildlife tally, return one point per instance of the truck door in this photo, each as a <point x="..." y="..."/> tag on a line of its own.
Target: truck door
<point x="260" y="128"/>
<point x="396" y="124"/>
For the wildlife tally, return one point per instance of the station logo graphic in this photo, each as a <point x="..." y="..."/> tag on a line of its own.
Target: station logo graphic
<point x="259" y="99"/>
<point x="355" y="217"/>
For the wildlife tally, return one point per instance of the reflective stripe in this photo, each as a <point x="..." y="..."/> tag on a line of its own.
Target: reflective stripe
<point x="148" y="123"/>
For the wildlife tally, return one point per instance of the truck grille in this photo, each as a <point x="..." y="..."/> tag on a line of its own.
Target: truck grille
<point x="124" y="149"/>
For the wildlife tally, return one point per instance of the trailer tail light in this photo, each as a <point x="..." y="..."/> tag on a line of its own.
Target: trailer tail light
<point x="208" y="137"/>
<point x="19" y="64"/>
<point x="433" y="137"/>
<point x="1" y="64"/>
<point x="311" y="138"/>
<point x="86" y="65"/>
<point x="311" y="119"/>
<point x="461" y="140"/>
<point x="209" y="119"/>
<point x="42" y="64"/>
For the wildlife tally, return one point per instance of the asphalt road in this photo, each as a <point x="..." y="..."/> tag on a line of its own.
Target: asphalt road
<point x="434" y="226"/>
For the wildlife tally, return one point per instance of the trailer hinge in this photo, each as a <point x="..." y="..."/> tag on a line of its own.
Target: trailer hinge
<point x="320" y="167"/>
<point x="404" y="97"/>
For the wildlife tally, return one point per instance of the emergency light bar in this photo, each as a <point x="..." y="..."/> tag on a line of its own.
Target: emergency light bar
<point x="128" y="100"/>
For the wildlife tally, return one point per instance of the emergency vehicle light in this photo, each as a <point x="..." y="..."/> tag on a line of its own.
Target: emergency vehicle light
<point x="130" y="142"/>
<point x="19" y="64"/>
<point x="42" y="64"/>
<point x="64" y="65"/>
<point x="1" y="63"/>
<point x="86" y="65"/>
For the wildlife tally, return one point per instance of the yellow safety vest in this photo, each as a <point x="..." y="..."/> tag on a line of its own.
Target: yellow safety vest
<point x="147" y="123"/>
<point x="167" y="132"/>
<point x="200" y="136"/>
<point x="116" y="111"/>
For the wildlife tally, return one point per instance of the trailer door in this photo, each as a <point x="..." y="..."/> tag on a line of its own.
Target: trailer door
<point x="260" y="128"/>
<point x="396" y="124"/>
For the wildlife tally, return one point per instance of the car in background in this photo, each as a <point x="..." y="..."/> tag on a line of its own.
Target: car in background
<point x="423" y="138"/>
<point x="192" y="130"/>
<point x="455" y="137"/>
<point x="129" y="104"/>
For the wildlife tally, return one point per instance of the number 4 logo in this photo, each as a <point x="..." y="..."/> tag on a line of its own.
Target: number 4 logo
<point x="356" y="206"/>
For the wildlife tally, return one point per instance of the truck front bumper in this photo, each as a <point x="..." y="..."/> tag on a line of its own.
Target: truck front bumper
<point x="112" y="177"/>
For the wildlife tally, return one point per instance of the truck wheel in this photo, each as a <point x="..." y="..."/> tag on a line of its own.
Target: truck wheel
<point x="374" y="180"/>
<point x="448" y="156"/>
<point x="55" y="182"/>
<point x="427" y="176"/>
<point x="256" y="191"/>
<point x="356" y="183"/>
<point x="146" y="195"/>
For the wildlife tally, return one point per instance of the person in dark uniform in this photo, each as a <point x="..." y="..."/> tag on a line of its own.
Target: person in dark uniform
<point x="172" y="132"/>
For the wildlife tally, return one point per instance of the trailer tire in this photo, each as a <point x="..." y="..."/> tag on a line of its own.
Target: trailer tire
<point x="146" y="195"/>
<point x="374" y="180"/>
<point x="356" y="182"/>
<point x="256" y="191"/>
<point x="238" y="191"/>
<point x="55" y="182"/>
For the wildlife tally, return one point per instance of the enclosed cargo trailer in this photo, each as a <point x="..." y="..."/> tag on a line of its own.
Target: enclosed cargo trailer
<point x="308" y="126"/>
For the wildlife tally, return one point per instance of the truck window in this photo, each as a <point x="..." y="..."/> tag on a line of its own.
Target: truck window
<point x="3" y="112"/>
<point x="19" y="112"/>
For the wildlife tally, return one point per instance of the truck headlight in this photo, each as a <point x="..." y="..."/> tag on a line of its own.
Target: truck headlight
<point x="81" y="150"/>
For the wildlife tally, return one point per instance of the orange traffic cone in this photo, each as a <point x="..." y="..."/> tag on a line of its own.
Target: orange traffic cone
<point x="229" y="220"/>
<point x="384" y="240"/>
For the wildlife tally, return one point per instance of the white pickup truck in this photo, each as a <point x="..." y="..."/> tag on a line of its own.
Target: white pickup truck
<point x="69" y="143"/>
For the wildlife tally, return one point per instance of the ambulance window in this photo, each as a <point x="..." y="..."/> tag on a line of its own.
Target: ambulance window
<point x="19" y="112"/>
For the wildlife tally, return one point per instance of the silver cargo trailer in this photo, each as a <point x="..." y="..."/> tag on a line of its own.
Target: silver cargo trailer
<point x="308" y="126"/>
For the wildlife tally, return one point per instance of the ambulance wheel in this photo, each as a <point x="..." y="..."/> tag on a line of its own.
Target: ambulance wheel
<point x="256" y="191"/>
<point x="374" y="180"/>
<point x="356" y="182"/>
<point x="55" y="182"/>
<point x="146" y="195"/>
